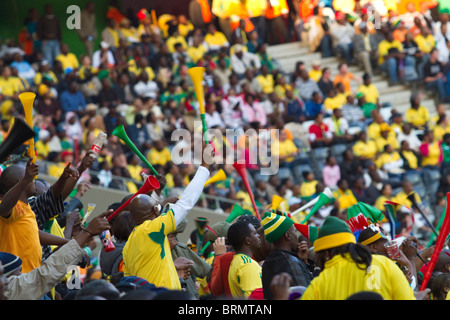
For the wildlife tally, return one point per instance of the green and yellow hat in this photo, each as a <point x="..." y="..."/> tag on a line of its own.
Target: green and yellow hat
<point x="275" y="225"/>
<point x="334" y="232"/>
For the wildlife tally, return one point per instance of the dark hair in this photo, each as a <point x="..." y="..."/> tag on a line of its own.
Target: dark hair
<point x="101" y="288"/>
<point x="238" y="232"/>
<point x="358" y="253"/>
<point x="122" y="226"/>
<point x="250" y="219"/>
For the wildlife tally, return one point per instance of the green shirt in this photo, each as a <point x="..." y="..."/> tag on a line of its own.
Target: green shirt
<point x="446" y="151"/>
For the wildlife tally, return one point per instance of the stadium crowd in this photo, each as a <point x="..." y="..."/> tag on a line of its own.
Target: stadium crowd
<point x="329" y="136"/>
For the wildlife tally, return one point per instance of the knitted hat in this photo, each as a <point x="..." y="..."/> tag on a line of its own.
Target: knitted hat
<point x="275" y="225"/>
<point x="334" y="232"/>
<point x="10" y="263"/>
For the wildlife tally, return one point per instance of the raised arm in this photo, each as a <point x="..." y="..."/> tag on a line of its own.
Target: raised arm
<point x="195" y="188"/>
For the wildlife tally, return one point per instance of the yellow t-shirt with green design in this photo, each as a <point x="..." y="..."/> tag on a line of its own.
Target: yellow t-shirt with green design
<point x="147" y="252"/>
<point x="244" y="276"/>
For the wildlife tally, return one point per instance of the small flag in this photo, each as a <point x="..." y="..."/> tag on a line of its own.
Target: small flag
<point x="373" y="214"/>
<point x="391" y="210"/>
<point x="310" y="232"/>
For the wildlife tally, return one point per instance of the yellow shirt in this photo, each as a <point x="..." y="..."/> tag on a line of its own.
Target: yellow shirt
<point x="216" y="39"/>
<point x="370" y="92"/>
<point x="55" y="169"/>
<point x="387" y="158"/>
<point x="68" y="61"/>
<point x="280" y="90"/>
<point x="196" y="54"/>
<point x="284" y="148"/>
<point x="411" y="158"/>
<point x="315" y="75"/>
<point x="434" y="154"/>
<point x="425" y="44"/>
<point x="266" y="83"/>
<point x="246" y="200"/>
<point x="184" y="29"/>
<point x="383" y="277"/>
<point x="19" y="235"/>
<point x="345" y="198"/>
<point x="42" y="150"/>
<point x="439" y="132"/>
<point x="51" y="74"/>
<point x="417" y="117"/>
<point x="244" y="276"/>
<point x="173" y="40"/>
<point x="148" y="70"/>
<point x="308" y="188"/>
<point x="334" y="103"/>
<point x="147" y="252"/>
<point x="384" y="47"/>
<point x="391" y="139"/>
<point x="135" y="172"/>
<point x="159" y="157"/>
<point x="366" y="149"/>
<point x="379" y="203"/>
<point x="9" y="87"/>
<point x="402" y="199"/>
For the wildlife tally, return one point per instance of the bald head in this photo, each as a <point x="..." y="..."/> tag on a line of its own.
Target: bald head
<point x="10" y="176"/>
<point x="443" y="263"/>
<point x="142" y="208"/>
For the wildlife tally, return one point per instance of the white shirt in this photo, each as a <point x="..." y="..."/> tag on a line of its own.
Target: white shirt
<point x="96" y="58"/>
<point x="148" y="90"/>
<point x="248" y="60"/>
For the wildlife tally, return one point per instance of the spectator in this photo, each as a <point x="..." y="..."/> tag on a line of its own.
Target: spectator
<point x="390" y="52"/>
<point x="319" y="133"/>
<point x="242" y="60"/>
<point x="431" y="151"/>
<point x="344" y="196"/>
<point x="345" y="77"/>
<point x="325" y="83"/>
<point x="72" y="99"/>
<point x="88" y="31"/>
<point x="244" y="273"/>
<point x="49" y="32"/>
<point x="365" y="149"/>
<point x="306" y="86"/>
<point x="103" y="57"/>
<point x="342" y="33"/>
<point x="434" y="76"/>
<point x="285" y="249"/>
<point x="314" y="106"/>
<point x="365" y="48"/>
<point x="417" y="114"/>
<point x="68" y="60"/>
<point x="24" y="68"/>
<point x="331" y="172"/>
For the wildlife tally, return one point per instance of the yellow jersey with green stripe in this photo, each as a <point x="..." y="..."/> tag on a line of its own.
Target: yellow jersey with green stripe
<point x="147" y="252"/>
<point x="244" y="276"/>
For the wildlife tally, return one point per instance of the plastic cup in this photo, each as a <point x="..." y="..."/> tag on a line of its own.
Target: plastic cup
<point x="392" y="249"/>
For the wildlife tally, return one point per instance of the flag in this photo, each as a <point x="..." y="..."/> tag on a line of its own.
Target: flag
<point x="373" y="214"/>
<point x="391" y="210"/>
<point x="310" y="232"/>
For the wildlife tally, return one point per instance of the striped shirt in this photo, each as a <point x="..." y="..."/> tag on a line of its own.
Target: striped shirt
<point x="45" y="207"/>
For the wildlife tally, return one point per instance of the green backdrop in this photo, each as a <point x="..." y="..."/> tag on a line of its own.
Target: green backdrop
<point x="13" y="13"/>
